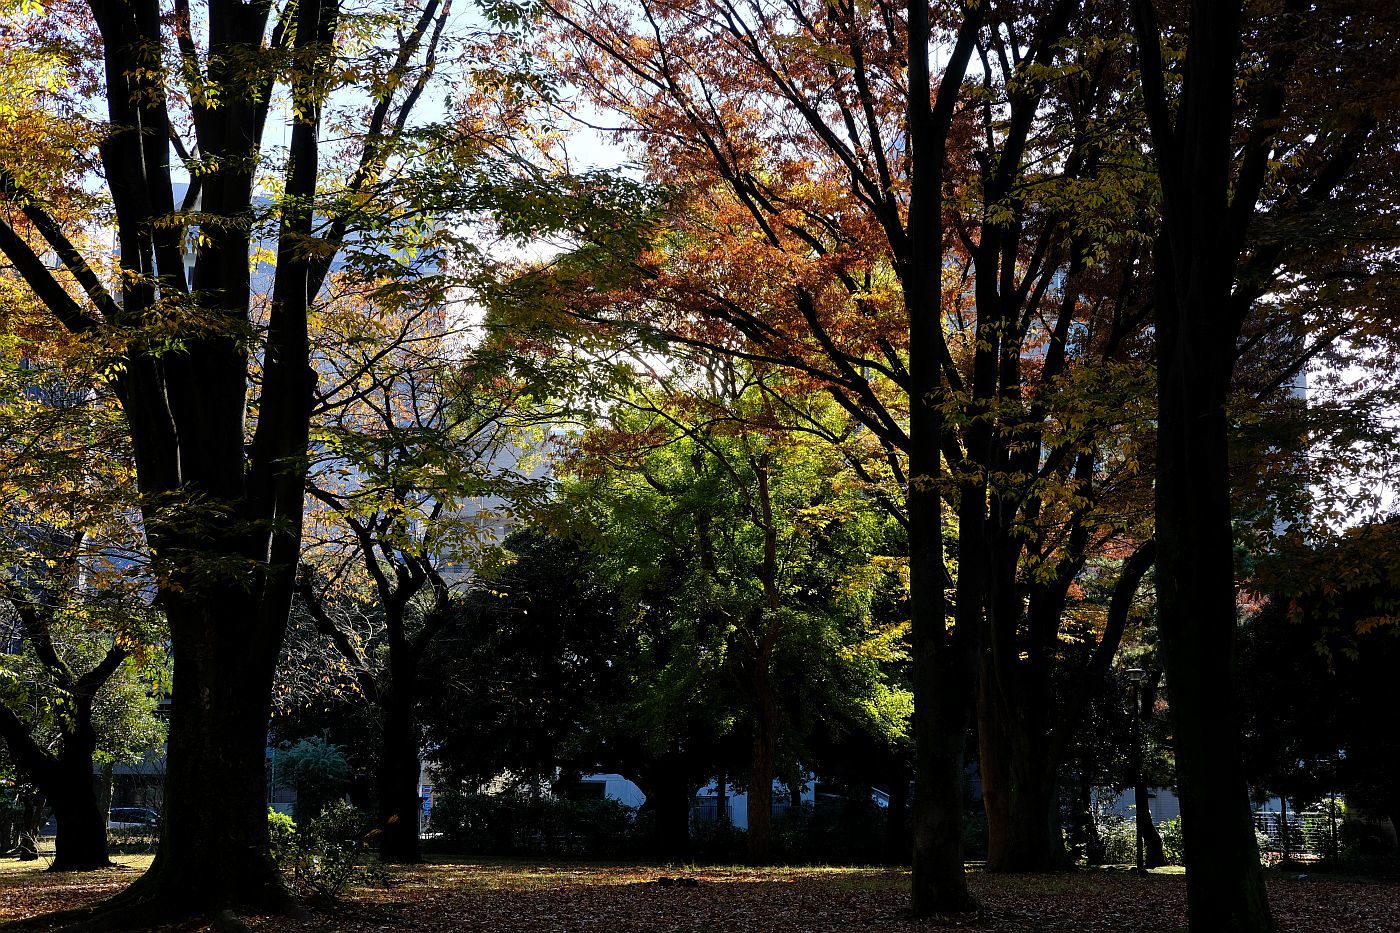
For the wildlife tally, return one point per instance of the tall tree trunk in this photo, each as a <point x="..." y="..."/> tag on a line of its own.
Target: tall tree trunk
<point x="761" y="767"/>
<point x="1205" y="212"/>
<point x="1153" y="853"/>
<point x="944" y="663"/>
<point x="80" y="842"/>
<point x="213" y="853"/>
<point x="1196" y="620"/>
<point x="1020" y="752"/>
<point x="896" y="843"/>
<point x="399" y="770"/>
<point x="942" y="716"/>
<point x="1020" y="791"/>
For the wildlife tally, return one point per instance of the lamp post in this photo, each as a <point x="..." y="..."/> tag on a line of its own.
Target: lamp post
<point x="1136" y="678"/>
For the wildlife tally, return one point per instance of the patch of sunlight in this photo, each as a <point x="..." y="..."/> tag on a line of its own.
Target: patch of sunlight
<point x="12" y="868"/>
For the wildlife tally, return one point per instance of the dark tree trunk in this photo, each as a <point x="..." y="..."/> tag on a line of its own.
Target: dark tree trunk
<point x="897" y="841"/>
<point x="1196" y="621"/>
<point x="213" y="854"/>
<point x="81" y="840"/>
<point x="944" y="663"/>
<point x="66" y="781"/>
<point x="1153" y="854"/>
<point x="668" y="798"/>
<point x="80" y="843"/>
<point x="1020" y="751"/>
<point x="1021" y="793"/>
<point x="940" y="883"/>
<point x="399" y="770"/>
<point x="1205" y="214"/>
<point x="760" y="802"/>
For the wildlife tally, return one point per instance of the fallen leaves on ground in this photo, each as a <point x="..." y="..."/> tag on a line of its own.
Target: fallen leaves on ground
<point x="520" y="897"/>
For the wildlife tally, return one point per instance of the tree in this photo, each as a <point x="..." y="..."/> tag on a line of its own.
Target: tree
<point x="688" y="80"/>
<point x="73" y="590"/>
<point x="765" y="552"/>
<point x="410" y="445"/>
<point x="71" y="676"/>
<point x="318" y="770"/>
<point x="1317" y="672"/>
<point x="1248" y="156"/>
<point x="524" y="686"/>
<point x="790" y="162"/>
<point x="221" y="479"/>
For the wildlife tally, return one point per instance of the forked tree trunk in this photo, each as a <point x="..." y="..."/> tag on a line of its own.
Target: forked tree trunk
<point x="66" y="781"/>
<point x="944" y="662"/>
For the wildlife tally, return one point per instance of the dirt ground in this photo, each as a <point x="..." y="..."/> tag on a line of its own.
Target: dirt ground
<point x="527" y="897"/>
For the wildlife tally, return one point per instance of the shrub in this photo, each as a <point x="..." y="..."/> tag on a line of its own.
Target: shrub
<point x="831" y="832"/>
<point x="327" y="855"/>
<point x="1170" y="831"/>
<point x="283" y="830"/>
<point x="317" y="769"/>
<point x="519" y="823"/>
<point x="1118" y="835"/>
<point x="974" y="833"/>
<point x="715" y="842"/>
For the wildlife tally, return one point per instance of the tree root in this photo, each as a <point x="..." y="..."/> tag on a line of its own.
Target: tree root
<point x="86" y="866"/>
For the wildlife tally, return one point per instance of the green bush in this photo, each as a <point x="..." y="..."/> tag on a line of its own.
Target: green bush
<point x="283" y="830"/>
<point x="520" y="823"/>
<point x="832" y="832"/>
<point x="1119" y="838"/>
<point x="974" y="833"/>
<point x="715" y="842"/>
<point x="1170" y="831"/>
<point x="318" y="770"/>
<point x="327" y="855"/>
<point x="1364" y="847"/>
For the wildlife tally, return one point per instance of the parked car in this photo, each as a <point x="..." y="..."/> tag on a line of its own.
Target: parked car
<point x="132" y="820"/>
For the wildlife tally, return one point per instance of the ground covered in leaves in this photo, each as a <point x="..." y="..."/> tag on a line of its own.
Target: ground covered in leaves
<point x="520" y="897"/>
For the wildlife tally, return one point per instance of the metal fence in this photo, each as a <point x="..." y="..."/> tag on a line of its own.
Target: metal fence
<point x="706" y="809"/>
<point x="1306" y="835"/>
